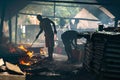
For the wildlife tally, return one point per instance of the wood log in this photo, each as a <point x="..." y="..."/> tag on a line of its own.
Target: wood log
<point x="13" y="68"/>
<point x="6" y="76"/>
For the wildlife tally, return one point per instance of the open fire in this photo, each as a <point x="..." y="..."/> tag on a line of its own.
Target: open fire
<point x="26" y="60"/>
<point x="30" y="57"/>
<point x="29" y="53"/>
<point x="20" y="54"/>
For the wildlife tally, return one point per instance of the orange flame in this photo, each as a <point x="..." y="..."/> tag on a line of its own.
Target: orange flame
<point x="26" y="60"/>
<point x="42" y="51"/>
<point x="25" y="63"/>
<point x="29" y="53"/>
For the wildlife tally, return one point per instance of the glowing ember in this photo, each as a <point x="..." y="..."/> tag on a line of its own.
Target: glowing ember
<point x="42" y="52"/>
<point x="12" y="50"/>
<point x="25" y="61"/>
<point x="30" y="54"/>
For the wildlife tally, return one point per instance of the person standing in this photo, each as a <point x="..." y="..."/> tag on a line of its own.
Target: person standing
<point x="49" y="28"/>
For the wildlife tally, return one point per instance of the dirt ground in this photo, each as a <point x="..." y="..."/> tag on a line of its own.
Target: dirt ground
<point x="59" y="69"/>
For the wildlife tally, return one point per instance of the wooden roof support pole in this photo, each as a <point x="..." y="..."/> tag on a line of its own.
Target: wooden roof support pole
<point x="16" y="21"/>
<point x="116" y="22"/>
<point x="10" y="30"/>
<point x="2" y="18"/>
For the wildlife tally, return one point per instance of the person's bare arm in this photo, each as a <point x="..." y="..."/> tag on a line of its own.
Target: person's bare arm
<point x="55" y="31"/>
<point x="74" y="43"/>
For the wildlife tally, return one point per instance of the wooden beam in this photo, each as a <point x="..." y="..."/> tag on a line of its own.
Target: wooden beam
<point x="76" y="2"/>
<point x="10" y="30"/>
<point x="14" y="68"/>
<point x="2" y="19"/>
<point x="61" y="17"/>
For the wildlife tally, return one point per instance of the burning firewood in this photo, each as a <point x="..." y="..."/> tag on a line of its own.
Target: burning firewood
<point x="30" y="57"/>
<point x="26" y="59"/>
<point x="29" y="53"/>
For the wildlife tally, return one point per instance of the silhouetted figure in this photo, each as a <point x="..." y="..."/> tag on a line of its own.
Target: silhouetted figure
<point x="46" y="26"/>
<point x="73" y="26"/>
<point x="69" y="39"/>
<point x="100" y="27"/>
<point x="62" y="22"/>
